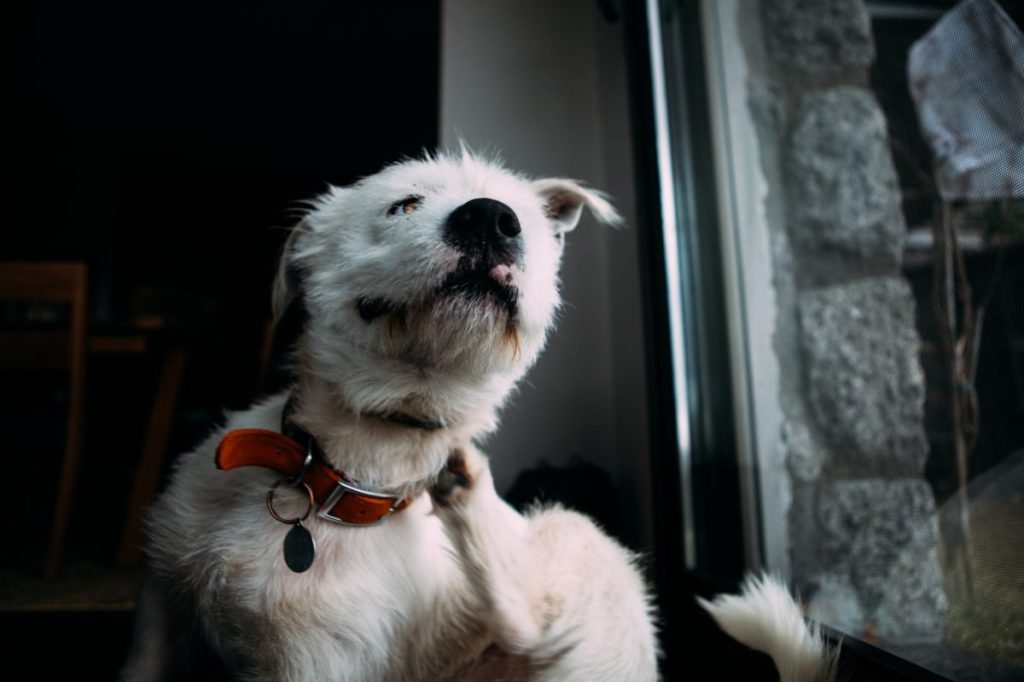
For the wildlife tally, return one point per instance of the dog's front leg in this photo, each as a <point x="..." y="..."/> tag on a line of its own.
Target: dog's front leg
<point x="491" y="538"/>
<point x="566" y="601"/>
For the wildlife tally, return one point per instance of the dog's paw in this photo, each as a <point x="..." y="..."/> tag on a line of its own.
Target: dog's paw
<point x="464" y="470"/>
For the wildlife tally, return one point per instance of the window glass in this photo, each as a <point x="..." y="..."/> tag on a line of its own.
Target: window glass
<point x="870" y="159"/>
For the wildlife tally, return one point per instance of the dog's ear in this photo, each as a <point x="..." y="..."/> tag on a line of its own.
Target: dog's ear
<point x="287" y="281"/>
<point x="564" y="200"/>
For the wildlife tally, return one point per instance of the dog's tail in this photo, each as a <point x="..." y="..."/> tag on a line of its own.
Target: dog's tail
<point x="765" y="617"/>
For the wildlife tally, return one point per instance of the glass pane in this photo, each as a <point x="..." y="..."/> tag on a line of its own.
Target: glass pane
<point x="872" y="163"/>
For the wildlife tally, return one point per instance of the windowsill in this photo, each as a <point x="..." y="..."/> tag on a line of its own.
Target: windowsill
<point x="860" y="660"/>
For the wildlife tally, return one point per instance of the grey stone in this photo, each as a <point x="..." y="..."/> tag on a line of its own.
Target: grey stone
<point x="913" y="607"/>
<point x="804" y="455"/>
<point x="818" y="36"/>
<point x="804" y="538"/>
<point x="883" y="534"/>
<point x="842" y="190"/>
<point x="835" y="603"/>
<point x="865" y="387"/>
<point x="766" y="104"/>
<point x="878" y="566"/>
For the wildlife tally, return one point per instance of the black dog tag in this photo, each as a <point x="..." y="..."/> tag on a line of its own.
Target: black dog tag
<point x="299" y="548"/>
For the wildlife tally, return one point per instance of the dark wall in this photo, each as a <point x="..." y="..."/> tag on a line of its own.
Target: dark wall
<point x="163" y="142"/>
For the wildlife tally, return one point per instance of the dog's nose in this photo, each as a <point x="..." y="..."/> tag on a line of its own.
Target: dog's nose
<point x="485" y="226"/>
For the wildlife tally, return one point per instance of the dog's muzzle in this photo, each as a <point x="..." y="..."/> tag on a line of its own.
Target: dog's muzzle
<point x="486" y="232"/>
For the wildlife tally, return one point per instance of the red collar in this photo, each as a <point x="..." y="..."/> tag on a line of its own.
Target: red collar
<point x="337" y="498"/>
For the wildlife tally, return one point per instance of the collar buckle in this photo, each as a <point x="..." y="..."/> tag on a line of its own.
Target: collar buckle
<point x="372" y="503"/>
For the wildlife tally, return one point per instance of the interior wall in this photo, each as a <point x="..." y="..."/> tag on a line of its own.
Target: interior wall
<point x="543" y="84"/>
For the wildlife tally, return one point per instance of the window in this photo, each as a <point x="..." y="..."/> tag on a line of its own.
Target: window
<point x="848" y="239"/>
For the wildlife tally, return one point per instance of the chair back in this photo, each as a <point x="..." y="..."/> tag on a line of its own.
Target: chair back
<point x="35" y="344"/>
<point x="55" y="342"/>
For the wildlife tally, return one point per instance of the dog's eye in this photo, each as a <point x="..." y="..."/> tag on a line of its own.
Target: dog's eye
<point x="406" y="205"/>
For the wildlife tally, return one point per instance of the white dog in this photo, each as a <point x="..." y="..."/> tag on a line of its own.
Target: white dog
<point x="368" y="543"/>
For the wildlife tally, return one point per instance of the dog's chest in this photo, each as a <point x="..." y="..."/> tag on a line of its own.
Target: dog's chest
<point x="375" y="597"/>
<point x="371" y="595"/>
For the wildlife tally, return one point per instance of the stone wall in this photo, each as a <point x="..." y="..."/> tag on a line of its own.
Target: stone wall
<point x="862" y="525"/>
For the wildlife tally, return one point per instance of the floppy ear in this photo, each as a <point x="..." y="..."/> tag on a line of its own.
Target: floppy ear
<point x="564" y="201"/>
<point x="287" y="281"/>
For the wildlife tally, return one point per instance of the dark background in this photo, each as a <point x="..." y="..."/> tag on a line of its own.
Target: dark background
<point x="168" y="145"/>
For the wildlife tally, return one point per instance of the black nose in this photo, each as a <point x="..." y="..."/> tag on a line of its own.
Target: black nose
<point x="485" y="227"/>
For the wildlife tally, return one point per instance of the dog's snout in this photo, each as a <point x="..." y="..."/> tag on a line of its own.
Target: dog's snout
<point x="485" y="226"/>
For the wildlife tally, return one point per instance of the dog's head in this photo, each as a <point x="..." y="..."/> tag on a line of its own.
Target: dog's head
<point x="430" y="287"/>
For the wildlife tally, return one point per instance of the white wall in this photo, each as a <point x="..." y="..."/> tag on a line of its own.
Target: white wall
<point x="543" y="83"/>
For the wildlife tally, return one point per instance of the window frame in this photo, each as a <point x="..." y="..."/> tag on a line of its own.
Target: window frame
<point x="704" y="412"/>
<point x="694" y="466"/>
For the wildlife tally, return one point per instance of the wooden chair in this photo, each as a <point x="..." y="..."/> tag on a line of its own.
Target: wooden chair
<point x="154" y="451"/>
<point x="52" y="349"/>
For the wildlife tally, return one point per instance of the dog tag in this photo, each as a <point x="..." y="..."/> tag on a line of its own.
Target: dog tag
<point x="299" y="548"/>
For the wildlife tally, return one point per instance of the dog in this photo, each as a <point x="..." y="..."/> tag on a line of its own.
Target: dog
<point x="349" y="528"/>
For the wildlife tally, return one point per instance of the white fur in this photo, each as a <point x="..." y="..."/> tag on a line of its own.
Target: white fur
<point x="765" y="617"/>
<point x="468" y="590"/>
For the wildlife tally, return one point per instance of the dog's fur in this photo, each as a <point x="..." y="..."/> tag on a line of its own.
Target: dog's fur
<point x="458" y="585"/>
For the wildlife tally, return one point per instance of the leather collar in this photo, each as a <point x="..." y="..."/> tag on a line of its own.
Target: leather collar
<point x="337" y="498"/>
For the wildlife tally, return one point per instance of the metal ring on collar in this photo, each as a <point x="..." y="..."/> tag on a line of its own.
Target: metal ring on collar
<point x="297" y="519"/>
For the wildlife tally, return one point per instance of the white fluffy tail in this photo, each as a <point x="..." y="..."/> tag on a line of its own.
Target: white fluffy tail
<point x="765" y="617"/>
